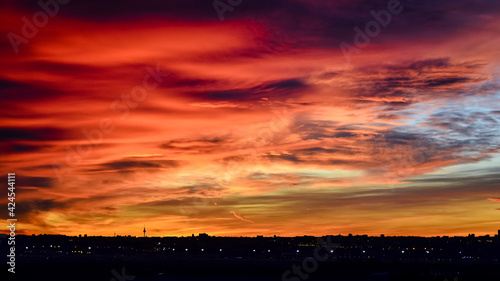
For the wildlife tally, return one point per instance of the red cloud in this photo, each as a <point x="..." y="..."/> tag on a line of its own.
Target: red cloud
<point x="494" y="199"/>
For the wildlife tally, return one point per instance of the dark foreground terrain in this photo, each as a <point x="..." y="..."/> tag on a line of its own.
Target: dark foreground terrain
<point x="140" y="269"/>
<point x="203" y="257"/>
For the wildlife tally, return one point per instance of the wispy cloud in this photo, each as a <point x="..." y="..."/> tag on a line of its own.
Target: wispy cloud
<point x="241" y="217"/>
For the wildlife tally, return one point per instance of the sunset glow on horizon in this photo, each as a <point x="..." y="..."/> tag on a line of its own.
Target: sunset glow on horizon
<point x="165" y="115"/>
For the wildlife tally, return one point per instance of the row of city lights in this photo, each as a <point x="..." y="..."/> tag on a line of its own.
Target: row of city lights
<point x="220" y="250"/>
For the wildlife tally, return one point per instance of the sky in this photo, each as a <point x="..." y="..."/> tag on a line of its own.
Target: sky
<point x="246" y="118"/>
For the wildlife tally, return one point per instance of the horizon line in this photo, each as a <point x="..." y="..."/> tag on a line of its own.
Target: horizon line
<point x="470" y="235"/>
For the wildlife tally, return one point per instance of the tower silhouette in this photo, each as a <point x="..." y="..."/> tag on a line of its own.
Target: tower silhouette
<point x="144" y="231"/>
